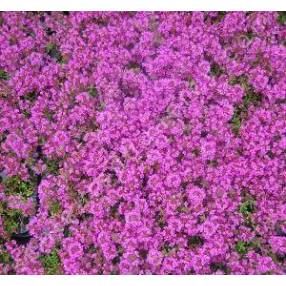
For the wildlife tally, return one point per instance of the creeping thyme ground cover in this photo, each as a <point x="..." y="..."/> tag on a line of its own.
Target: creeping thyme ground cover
<point x="142" y="143"/>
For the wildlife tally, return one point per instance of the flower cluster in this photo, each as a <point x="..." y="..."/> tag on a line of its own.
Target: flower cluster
<point x="142" y="143"/>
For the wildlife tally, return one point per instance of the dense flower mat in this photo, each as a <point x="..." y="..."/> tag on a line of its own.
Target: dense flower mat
<point x="142" y="143"/>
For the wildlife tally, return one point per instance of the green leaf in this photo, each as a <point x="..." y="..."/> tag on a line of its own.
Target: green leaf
<point x="101" y="106"/>
<point x="84" y="199"/>
<point x="195" y="241"/>
<point x="212" y="163"/>
<point x="236" y="121"/>
<point x="5" y="257"/>
<point x="247" y="207"/>
<point x="281" y="18"/>
<point x="249" y="35"/>
<point x="51" y="263"/>
<point x="241" y="247"/>
<point x="250" y="98"/>
<point x="182" y="209"/>
<point x="15" y="186"/>
<point x="49" y="114"/>
<point x="11" y="219"/>
<point x="215" y="266"/>
<point x="242" y="80"/>
<point x="54" y="52"/>
<point x="30" y="96"/>
<point x="26" y="113"/>
<point x="53" y="166"/>
<point x="219" y="17"/>
<point x="167" y="249"/>
<point x="216" y="70"/>
<point x="255" y="244"/>
<point x="92" y="91"/>
<point x="66" y="231"/>
<point x="4" y="75"/>
<point x="55" y="208"/>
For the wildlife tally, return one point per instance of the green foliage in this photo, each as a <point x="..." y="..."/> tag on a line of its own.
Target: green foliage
<point x="168" y="249"/>
<point x="101" y="106"/>
<point x="11" y="223"/>
<point x="84" y="199"/>
<point x="241" y="247"/>
<point x="55" y="208"/>
<point x="215" y="266"/>
<point x="51" y="263"/>
<point x="26" y="113"/>
<point x="54" y="52"/>
<point x="11" y="218"/>
<point x="15" y="186"/>
<point x="5" y="257"/>
<point x="30" y="96"/>
<point x="255" y="244"/>
<point x="92" y="91"/>
<point x="249" y="35"/>
<point x="160" y="219"/>
<point x="119" y="249"/>
<point x="49" y="114"/>
<point x="247" y="207"/>
<point x="212" y="163"/>
<point x="270" y="272"/>
<point x="52" y="166"/>
<point x="270" y="154"/>
<point x="242" y="80"/>
<point x="4" y="75"/>
<point x="3" y="137"/>
<point x="66" y="231"/>
<point x="195" y="241"/>
<point x="134" y="66"/>
<point x="236" y="121"/>
<point x="216" y="70"/>
<point x="115" y="260"/>
<point x="3" y="205"/>
<point x="182" y="209"/>
<point x="219" y="17"/>
<point x="250" y="98"/>
<point x="281" y="18"/>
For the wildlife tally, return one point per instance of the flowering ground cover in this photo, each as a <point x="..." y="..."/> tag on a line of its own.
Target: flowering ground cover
<point x="143" y="143"/>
